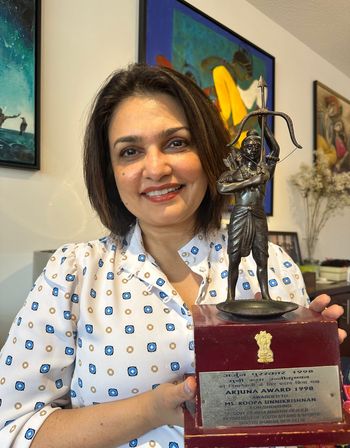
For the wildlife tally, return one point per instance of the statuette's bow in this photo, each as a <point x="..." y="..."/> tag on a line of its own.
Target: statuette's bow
<point x="263" y="112"/>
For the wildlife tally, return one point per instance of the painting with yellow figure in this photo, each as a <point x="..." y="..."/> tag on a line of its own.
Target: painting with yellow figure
<point x="232" y="107"/>
<point x="332" y="127"/>
<point x="328" y="150"/>
<point x="225" y="65"/>
<point x="234" y="102"/>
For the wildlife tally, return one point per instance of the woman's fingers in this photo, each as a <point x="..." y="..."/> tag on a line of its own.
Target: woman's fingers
<point x="342" y="334"/>
<point x="320" y="305"/>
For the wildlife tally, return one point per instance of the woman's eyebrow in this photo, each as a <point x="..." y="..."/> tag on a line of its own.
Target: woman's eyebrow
<point x="171" y="131"/>
<point x="127" y="139"/>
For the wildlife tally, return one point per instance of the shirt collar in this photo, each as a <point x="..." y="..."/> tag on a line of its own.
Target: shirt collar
<point x="196" y="253"/>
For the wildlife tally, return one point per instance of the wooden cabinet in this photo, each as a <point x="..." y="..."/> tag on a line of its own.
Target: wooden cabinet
<point x="340" y="294"/>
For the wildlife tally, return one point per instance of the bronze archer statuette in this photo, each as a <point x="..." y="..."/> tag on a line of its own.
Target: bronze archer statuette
<point x="249" y="170"/>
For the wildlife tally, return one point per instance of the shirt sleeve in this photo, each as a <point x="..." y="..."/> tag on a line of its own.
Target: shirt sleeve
<point x="288" y="274"/>
<point x="37" y="360"/>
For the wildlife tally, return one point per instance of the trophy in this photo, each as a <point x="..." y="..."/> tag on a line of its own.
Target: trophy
<point x="268" y="372"/>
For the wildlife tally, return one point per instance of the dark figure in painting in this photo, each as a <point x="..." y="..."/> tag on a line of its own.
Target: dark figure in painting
<point x="4" y="117"/>
<point x="23" y="126"/>
<point x="246" y="178"/>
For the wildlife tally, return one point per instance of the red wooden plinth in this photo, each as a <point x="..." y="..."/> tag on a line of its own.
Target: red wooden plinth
<point x="301" y="338"/>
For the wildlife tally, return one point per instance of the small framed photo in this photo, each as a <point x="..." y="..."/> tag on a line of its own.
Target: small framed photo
<point x="224" y="64"/>
<point x="20" y="83"/>
<point x="332" y="127"/>
<point x="289" y="242"/>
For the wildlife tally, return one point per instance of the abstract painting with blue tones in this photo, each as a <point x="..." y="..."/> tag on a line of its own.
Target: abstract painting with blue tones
<point x="19" y="83"/>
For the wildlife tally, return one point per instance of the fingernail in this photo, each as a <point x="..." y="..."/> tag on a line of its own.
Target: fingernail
<point x="187" y="389"/>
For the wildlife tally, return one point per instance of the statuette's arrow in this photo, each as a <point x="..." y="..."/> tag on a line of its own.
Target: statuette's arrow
<point x="262" y="85"/>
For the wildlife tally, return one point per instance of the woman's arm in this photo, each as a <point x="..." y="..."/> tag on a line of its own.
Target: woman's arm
<point x="320" y="304"/>
<point x="115" y="423"/>
<point x="37" y="360"/>
<point x="36" y="368"/>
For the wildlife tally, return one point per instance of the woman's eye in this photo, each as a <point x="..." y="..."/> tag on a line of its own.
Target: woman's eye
<point x="128" y="152"/>
<point x="178" y="143"/>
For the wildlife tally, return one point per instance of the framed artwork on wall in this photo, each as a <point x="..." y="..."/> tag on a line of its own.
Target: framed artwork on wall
<point x="20" y="83"/>
<point x="332" y="126"/>
<point x="289" y="242"/>
<point x="225" y="65"/>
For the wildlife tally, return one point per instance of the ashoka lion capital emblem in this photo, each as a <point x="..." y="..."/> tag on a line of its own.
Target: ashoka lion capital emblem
<point x="265" y="354"/>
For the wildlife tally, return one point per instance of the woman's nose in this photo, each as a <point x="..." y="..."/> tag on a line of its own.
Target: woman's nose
<point x="157" y="164"/>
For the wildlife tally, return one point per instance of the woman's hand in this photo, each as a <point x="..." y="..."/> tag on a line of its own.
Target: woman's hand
<point x="114" y="423"/>
<point x="168" y="400"/>
<point x="320" y="305"/>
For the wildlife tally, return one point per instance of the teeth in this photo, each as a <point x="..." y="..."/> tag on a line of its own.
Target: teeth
<point x="161" y="192"/>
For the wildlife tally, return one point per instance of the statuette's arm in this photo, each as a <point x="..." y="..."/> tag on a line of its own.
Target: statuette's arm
<point x="227" y="187"/>
<point x="273" y="157"/>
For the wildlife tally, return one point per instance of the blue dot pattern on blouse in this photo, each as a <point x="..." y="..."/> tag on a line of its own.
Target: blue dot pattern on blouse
<point x="103" y="323"/>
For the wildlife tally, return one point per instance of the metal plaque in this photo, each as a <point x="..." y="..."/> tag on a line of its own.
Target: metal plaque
<point x="270" y="396"/>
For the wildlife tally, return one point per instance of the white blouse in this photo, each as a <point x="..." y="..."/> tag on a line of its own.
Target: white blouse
<point x="103" y="323"/>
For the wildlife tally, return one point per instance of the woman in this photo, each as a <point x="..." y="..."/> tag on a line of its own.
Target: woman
<point x="97" y="355"/>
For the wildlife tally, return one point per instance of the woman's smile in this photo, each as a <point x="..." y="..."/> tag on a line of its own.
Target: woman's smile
<point x="162" y="193"/>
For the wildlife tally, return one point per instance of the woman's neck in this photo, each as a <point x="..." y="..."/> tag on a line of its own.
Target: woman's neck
<point x="159" y="241"/>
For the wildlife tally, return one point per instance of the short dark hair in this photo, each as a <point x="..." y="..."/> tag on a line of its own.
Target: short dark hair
<point x="208" y="135"/>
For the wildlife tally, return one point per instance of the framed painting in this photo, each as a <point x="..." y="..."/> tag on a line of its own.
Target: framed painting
<point x="226" y="66"/>
<point x="289" y="242"/>
<point x="20" y="83"/>
<point x="332" y="126"/>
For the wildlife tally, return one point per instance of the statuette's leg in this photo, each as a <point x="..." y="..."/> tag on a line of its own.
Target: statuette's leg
<point x="232" y="280"/>
<point x="261" y="273"/>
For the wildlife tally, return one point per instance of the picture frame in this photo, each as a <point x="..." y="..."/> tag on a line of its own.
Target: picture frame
<point x="332" y="126"/>
<point x="20" y="81"/>
<point x="289" y="241"/>
<point x="224" y="64"/>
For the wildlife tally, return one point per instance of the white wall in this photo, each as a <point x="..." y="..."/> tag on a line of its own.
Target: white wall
<point x="82" y="42"/>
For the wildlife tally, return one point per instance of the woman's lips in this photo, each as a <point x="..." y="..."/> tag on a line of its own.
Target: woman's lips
<point x="163" y="193"/>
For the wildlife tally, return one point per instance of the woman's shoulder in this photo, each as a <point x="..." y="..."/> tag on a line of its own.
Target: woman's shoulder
<point x="220" y="234"/>
<point x="97" y="247"/>
<point x="281" y="261"/>
<point x="72" y="258"/>
<point x="279" y="253"/>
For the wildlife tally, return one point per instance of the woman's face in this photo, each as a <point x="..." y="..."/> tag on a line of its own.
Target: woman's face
<point x="157" y="170"/>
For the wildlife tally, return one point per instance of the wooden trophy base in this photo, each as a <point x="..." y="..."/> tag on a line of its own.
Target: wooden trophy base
<point x="265" y="382"/>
